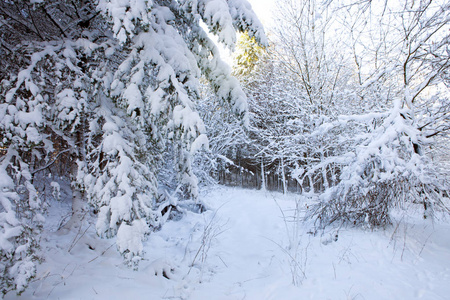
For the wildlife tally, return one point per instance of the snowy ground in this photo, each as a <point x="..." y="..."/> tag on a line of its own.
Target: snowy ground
<point x="243" y="248"/>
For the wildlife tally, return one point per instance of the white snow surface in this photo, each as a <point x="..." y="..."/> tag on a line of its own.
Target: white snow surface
<point x="243" y="248"/>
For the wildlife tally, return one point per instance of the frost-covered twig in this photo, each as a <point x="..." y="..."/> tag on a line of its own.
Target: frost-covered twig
<point x="78" y="237"/>
<point x="294" y="244"/>
<point x="425" y="243"/>
<point x="294" y="264"/>
<point x="210" y="232"/>
<point x="103" y="252"/>
<point x="63" y="278"/>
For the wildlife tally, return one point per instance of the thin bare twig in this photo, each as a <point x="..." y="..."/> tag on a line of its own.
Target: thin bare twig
<point x="101" y="253"/>
<point x="51" y="163"/>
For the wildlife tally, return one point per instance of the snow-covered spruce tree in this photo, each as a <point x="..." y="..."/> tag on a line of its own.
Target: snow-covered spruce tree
<point x="20" y="220"/>
<point x="44" y="98"/>
<point x="43" y="111"/>
<point x="156" y="86"/>
<point x="22" y="127"/>
<point x="17" y="231"/>
<point x="111" y="87"/>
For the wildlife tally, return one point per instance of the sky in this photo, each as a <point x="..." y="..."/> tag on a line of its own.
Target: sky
<point x="263" y="9"/>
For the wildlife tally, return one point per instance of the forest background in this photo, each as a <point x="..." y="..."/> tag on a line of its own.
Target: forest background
<point x="127" y="108"/>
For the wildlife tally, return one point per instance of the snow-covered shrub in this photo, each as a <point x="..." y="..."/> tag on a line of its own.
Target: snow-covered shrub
<point x="393" y="85"/>
<point x="384" y="168"/>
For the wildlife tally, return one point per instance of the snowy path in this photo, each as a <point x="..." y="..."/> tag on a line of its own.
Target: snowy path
<point x="251" y="257"/>
<point x="239" y="250"/>
<point x="359" y="265"/>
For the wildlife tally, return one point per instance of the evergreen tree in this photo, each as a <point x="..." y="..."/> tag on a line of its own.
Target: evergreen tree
<point x="110" y="88"/>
